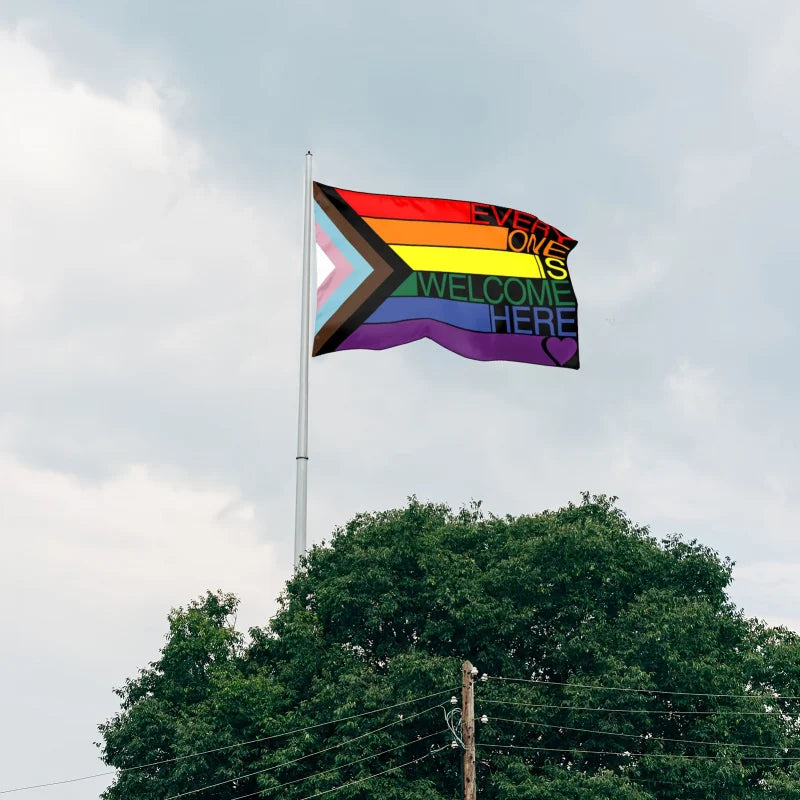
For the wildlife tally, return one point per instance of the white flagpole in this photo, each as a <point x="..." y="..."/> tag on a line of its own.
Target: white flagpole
<point x="301" y="495"/>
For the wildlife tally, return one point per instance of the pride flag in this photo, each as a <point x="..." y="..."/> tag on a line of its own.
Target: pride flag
<point x="487" y="282"/>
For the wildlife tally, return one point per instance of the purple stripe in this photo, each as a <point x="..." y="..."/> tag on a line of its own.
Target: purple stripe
<point x="471" y="344"/>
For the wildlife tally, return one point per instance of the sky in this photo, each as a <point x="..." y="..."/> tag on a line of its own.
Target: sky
<point x="151" y="182"/>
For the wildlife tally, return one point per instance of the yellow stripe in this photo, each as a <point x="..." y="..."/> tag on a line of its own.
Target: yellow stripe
<point x="469" y="261"/>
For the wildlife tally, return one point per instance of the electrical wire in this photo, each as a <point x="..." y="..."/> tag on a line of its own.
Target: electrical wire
<point x="302" y="758"/>
<point x="342" y="766"/>
<point x="225" y="747"/>
<point x="57" y="783"/>
<point x="725" y="712"/>
<point x="639" y="736"/>
<point x="643" y="691"/>
<point x="632" y="755"/>
<point x="368" y="778"/>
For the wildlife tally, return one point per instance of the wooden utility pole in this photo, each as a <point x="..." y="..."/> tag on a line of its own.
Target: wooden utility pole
<point x="468" y="729"/>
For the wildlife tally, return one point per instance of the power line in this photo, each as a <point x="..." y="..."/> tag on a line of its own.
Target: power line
<point x="368" y="778"/>
<point x="301" y="758"/>
<point x="342" y="766"/>
<point x="639" y="736"/>
<point x="58" y="783"/>
<point x="121" y="770"/>
<point x="643" y="691"/>
<point x="632" y="755"/>
<point x="724" y="712"/>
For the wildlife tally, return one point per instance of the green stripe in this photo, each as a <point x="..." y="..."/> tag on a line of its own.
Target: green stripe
<point x="408" y="288"/>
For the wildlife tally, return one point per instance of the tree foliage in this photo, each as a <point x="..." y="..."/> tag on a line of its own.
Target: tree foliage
<point x="580" y="607"/>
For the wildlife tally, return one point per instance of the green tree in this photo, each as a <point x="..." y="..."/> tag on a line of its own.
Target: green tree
<point x="618" y="669"/>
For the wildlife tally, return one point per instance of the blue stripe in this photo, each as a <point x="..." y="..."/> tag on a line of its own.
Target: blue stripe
<point x="471" y="316"/>
<point x="361" y="269"/>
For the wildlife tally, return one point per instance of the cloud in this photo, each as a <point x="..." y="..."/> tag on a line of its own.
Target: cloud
<point x="132" y="295"/>
<point x="694" y="391"/>
<point x="774" y="78"/>
<point x="149" y="298"/>
<point x="122" y="547"/>
<point x="136" y="282"/>
<point x="773" y="588"/>
<point x="706" y="178"/>
<point x="88" y="572"/>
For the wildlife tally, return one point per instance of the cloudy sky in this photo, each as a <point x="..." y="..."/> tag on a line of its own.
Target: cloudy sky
<point x="151" y="160"/>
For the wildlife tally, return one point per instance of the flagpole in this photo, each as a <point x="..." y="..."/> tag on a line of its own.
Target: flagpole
<point x="301" y="491"/>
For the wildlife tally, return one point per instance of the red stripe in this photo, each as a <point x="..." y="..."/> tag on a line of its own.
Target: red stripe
<point x="389" y="206"/>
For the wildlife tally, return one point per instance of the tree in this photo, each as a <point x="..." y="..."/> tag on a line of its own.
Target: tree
<point x="571" y="612"/>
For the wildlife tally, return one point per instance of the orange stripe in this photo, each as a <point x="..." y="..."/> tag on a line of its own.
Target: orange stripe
<point x="441" y="234"/>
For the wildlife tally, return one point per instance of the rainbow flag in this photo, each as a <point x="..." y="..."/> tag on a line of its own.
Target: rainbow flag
<point x="487" y="282"/>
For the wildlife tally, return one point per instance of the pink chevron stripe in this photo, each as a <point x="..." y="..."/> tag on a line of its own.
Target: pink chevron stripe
<point x="341" y="267"/>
